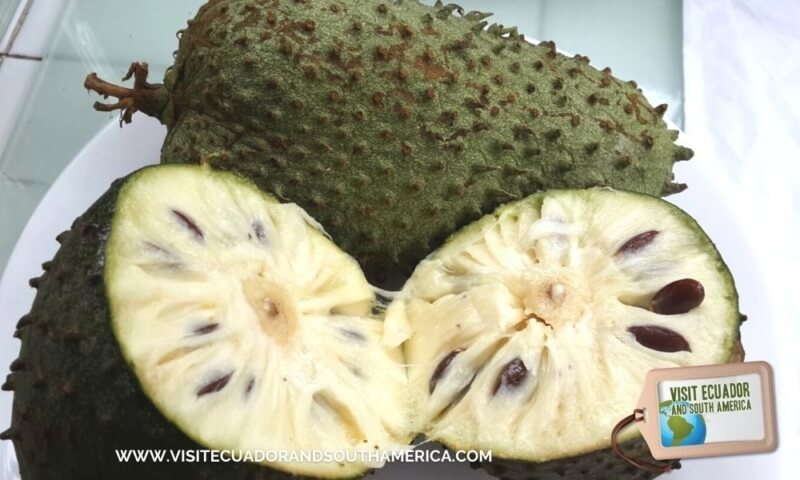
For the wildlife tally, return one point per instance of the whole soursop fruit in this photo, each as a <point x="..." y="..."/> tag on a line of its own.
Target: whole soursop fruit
<point x="530" y="332"/>
<point x="185" y="310"/>
<point x="395" y="123"/>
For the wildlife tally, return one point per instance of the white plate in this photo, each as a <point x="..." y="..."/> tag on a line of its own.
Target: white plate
<point x="114" y="152"/>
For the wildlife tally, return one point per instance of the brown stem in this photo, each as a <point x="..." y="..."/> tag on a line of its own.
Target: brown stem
<point x="144" y="97"/>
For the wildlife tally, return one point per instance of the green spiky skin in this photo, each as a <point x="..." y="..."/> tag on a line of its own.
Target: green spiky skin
<point x="75" y="400"/>
<point x="396" y="123"/>
<point x="597" y="465"/>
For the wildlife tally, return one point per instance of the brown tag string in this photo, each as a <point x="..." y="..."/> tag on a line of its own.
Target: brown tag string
<point x="636" y="416"/>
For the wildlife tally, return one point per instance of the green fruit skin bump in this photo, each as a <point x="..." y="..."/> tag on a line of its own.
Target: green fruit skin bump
<point x="396" y="123"/>
<point x="75" y="399"/>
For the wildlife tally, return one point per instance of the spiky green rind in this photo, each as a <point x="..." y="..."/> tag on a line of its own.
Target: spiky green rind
<point x="396" y="123"/>
<point x="76" y="401"/>
<point x="598" y="465"/>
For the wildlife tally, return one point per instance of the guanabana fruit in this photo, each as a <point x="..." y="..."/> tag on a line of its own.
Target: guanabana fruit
<point x="185" y="310"/>
<point x="394" y="123"/>
<point x="530" y="332"/>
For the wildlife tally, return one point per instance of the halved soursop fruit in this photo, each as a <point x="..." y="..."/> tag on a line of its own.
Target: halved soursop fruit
<point x="187" y="309"/>
<point x="529" y="333"/>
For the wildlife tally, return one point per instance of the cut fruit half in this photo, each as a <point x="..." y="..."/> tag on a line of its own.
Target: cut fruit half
<point x="246" y="326"/>
<point x="530" y="331"/>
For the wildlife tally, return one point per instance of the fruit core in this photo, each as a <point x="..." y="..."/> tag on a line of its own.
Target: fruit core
<point x="555" y="296"/>
<point x="274" y="306"/>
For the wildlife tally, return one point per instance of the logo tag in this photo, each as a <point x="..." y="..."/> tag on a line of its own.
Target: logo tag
<point x="708" y="411"/>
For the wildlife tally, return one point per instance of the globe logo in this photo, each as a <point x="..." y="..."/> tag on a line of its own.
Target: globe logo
<point x="680" y="430"/>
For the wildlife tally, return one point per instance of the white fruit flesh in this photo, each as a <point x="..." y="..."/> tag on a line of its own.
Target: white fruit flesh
<point x="541" y="291"/>
<point x="247" y="327"/>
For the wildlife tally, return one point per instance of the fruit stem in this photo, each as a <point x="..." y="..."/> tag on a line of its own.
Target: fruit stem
<point x="144" y="97"/>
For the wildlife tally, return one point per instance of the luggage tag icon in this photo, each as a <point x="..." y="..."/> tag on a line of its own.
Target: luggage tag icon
<point x="704" y="411"/>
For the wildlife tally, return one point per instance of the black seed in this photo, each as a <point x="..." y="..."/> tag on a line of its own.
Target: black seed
<point x="352" y="334"/>
<point x="258" y="229"/>
<point x="189" y="224"/>
<point x="442" y="368"/>
<point x="512" y="375"/>
<point x="249" y="387"/>
<point x="152" y="246"/>
<point x="638" y="242"/>
<point x="215" y="385"/>
<point x="678" y="297"/>
<point x="206" y="329"/>
<point x="382" y="302"/>
<point x="660" y="338"/>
